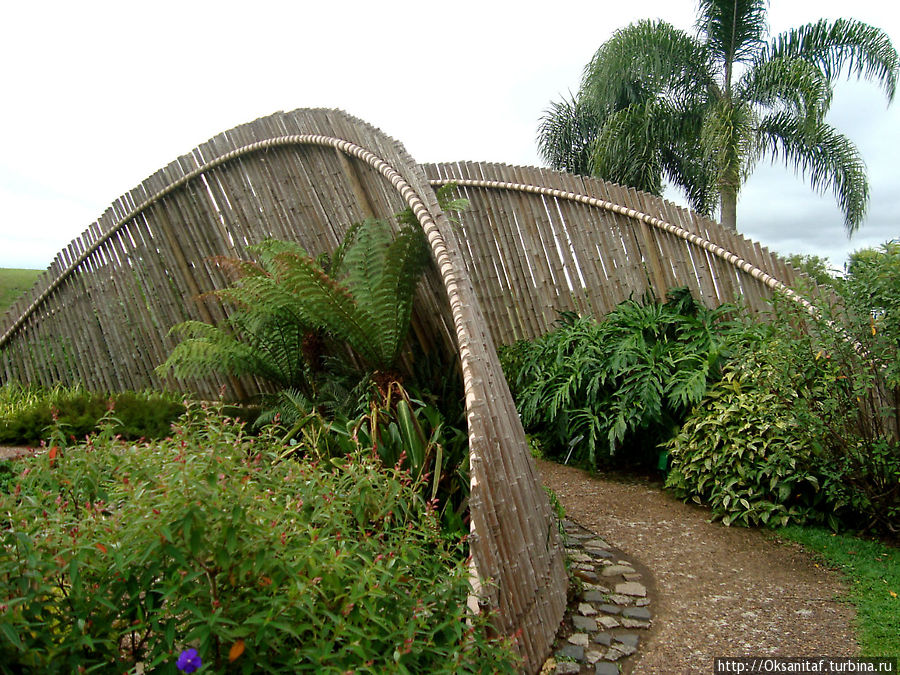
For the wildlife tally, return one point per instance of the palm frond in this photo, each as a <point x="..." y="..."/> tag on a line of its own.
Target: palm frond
<point x="644" y="61"/>
<point x="789" y="84"/>
<point x="566" y="136"/>
<point x="627" y="151"/>
<point x="694" y="175"/>
<point x="865" y="51"/>
<point x="827" y="158"/>
<point x="680" y="130"/>
<point x="734" y="29"/>
<point x="728" y="141"/>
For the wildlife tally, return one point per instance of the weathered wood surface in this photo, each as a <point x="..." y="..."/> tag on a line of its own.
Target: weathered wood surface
<point x="560" y="250"/>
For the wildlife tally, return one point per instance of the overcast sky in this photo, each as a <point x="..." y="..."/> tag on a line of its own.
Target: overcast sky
<point x="101" y="95"/>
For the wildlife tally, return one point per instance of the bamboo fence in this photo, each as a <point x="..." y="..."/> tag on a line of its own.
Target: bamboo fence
<point x="532" y="243"/>
<point x="101" y="314"/>
<point x="540" y="242"/>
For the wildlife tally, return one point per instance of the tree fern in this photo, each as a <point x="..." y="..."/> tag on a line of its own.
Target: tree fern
<point x="284" y="303"/>
<point x="362" y="295"/>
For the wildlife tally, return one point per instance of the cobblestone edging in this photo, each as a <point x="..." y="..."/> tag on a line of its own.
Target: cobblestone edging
<point x="607" y="622"/>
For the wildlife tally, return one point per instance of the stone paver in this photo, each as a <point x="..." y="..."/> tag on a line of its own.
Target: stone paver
<point x="608" y="624"/>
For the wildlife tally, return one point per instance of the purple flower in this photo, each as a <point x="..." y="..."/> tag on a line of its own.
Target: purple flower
<point x="189" y="661"/>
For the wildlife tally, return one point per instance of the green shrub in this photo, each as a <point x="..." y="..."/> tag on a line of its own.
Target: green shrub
<point x="871" y="288"/>
<point x="7" y="474"/>
<point x="116" y="553"/>
<point x="589" y="388"/>
<point x="811" y="393"/>
<point x="742" y="453"/>
<point x="403" y="432"/>
<point x="29" y="415"/>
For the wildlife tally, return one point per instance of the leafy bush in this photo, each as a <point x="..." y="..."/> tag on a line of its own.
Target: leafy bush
<point x="403" y="432"/>
<point x="871" y="287"/>
<point x="815" y="393"/>
<point x="742" y="453"/>
<point x="329" y="333"/>
<point x="588" y="388"/>
<point x="7" y="474"/>
<point x="137" y="554"/>
<point x="28" y="415"/>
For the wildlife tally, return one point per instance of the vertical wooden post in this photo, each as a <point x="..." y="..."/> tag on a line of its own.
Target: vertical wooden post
<point x="651" y="257"/>
<point x="185" y="269"/>
<point x="355" y="181"/>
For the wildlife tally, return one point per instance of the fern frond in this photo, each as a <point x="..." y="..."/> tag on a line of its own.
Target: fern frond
<point x="322" y="301"/>
<point x="205" y="349"/>
<point x="382" y="274"/>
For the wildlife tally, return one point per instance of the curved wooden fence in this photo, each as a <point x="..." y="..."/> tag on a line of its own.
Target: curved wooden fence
<point x="532" y="243"/>
<point x="102" y="312"/>
<point x="538" y="242"/>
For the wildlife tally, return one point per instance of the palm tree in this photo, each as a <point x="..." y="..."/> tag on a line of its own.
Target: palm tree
<point x="701" y="110"/>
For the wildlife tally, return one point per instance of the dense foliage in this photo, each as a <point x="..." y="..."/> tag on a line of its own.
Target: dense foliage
<point x="137" y="554"/>
<point x="807" y="429"/>
<point x="427" y="438"/>
<point x="611" y="390"/>
<point x="28" y="415"/>
<point x="286" y="303"/>
<point x="328" y="333"/>
<point x="871" y="287"/>
<point x="742" y="453"/>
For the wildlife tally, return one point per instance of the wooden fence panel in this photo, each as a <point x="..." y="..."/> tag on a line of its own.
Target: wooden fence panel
<point x="614" y="241"/>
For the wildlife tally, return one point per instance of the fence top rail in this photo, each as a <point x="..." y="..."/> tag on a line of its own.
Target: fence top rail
<point x="720" y="252"/>
<point x="277" y="142"/>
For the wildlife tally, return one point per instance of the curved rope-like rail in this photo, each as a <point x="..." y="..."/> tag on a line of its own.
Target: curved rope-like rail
<point x="729" y="257"/>
<point x="374" y="161"/>
<point x="406" y="191"/>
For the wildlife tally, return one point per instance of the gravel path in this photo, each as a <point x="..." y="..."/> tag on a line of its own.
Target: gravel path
<point x="13" y="452"/>
<point x="720" y="591"/>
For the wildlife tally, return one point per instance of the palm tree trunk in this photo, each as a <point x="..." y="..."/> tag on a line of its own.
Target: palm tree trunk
<point x="728" y="208"/>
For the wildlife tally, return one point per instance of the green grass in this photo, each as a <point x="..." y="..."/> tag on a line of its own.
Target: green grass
<point x="13" y="283"/>
<point x="871" y="570"/>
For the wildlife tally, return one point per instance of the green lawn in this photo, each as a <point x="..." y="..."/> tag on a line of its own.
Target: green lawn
<point x="13" y="283"/>
<point x="871" y="570"/>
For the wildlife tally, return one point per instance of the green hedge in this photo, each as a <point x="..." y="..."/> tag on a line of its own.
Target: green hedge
<point x="29" y="415"/>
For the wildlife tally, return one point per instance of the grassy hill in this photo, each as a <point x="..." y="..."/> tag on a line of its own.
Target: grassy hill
<point x="13" y="283"/>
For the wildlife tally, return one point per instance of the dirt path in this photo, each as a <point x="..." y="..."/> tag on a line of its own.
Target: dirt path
<point x="720" y="591"/>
